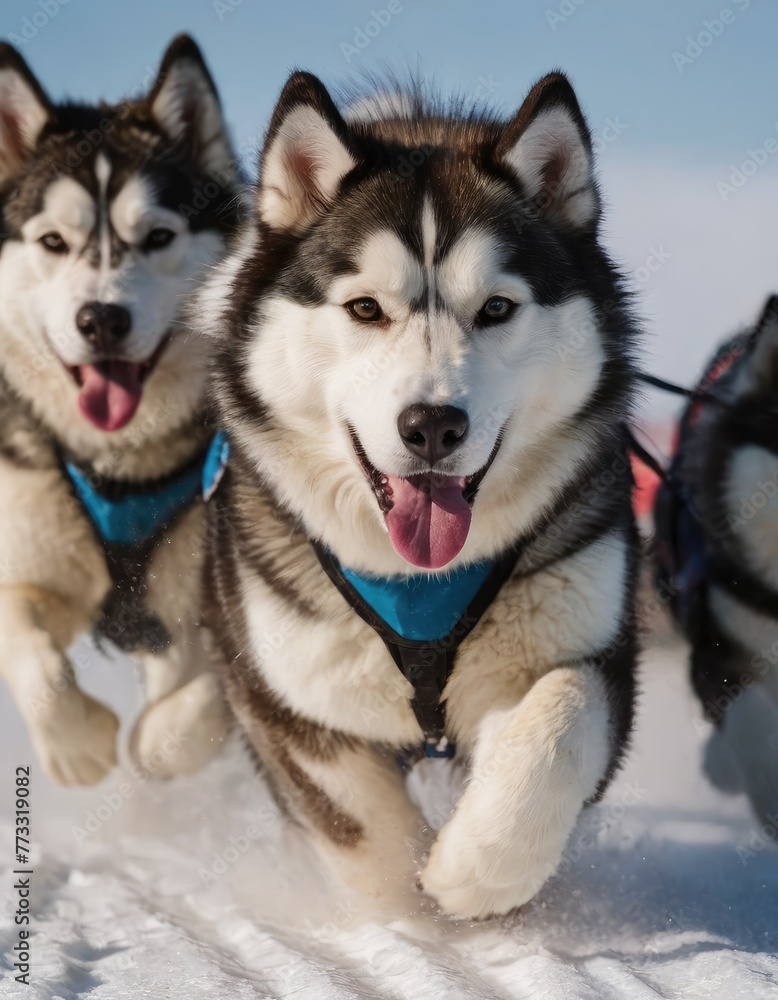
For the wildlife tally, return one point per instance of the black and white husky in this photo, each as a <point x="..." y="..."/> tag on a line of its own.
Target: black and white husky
<point x="424" y="369"/>
<point x="717" y="545"/>
<point x="105" y="231"/>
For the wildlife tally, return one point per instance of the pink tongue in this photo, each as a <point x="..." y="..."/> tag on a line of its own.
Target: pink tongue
<point x="110" y="393"/>
<point x="429" y="519"/>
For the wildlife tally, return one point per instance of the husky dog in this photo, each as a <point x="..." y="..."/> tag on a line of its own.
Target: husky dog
<point x="717" y="546"/>
<point x="105" y="230"/>
<point x="423" y="371"/>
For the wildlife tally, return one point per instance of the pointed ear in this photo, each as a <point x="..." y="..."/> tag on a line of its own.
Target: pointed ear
<point x="548" y="147"/>
<point x="185" y="104"/>
<point x="764" y="357"/>
<point x="306" y="156"/>
<point x="24" y="111"/>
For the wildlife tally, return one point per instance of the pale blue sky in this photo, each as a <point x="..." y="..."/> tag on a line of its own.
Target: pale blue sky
<point x="619" y="54"/>
<point x="680" y="128"/>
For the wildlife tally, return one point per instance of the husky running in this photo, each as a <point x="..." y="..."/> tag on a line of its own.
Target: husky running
<point x="106" y="232"/>
<point x="424" y="535"/>
<point x="717" y="549"/>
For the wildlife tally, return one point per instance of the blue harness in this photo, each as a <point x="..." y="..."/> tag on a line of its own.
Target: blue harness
<point x="422" y="619"/>
<point x="424" y="608"/>
<point x="125" y="514"/>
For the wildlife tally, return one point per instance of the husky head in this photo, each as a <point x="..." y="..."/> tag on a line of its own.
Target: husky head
<point x="426" y="341"/>
<point x="108" y="214"/>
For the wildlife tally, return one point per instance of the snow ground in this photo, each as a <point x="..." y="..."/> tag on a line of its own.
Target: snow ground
<point x="654" y="899"/>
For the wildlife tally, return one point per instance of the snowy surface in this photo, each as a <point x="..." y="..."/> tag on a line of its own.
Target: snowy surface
<point x="661" y="893"/>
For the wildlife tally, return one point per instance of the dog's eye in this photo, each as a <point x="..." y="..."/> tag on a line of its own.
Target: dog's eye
<point x="495" y="309"/>
<point x="158" y="238"/>
<point x="365" y="309"/>
<point x="54" y="243"/>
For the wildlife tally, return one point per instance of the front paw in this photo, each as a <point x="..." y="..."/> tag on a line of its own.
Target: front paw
<point x="75" y="738"/>
<point x="473" y="878"/>
<point x="180" y="733"/>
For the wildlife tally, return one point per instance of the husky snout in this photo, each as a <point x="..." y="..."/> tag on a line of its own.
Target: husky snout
<point x="103" y="325"/>
<point x="432" y="432"/>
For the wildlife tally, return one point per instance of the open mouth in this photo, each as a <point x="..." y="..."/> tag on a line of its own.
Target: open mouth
<point x="110" y="391"/>
<point x="427" y="515"/>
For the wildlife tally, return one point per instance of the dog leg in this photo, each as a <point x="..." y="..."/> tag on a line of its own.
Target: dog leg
<point x="749" y="732"/>
<point x="351" y="798"/>
<point x="73" y="734"/>
<point x="739" y="694"/>
<point x="184" y="723"/>
<point x="363" y="823"/>
<point x="534" y="768"/>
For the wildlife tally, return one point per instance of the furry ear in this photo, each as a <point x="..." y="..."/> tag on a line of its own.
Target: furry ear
<point x="764" y="357"/>
<point x="548" y="147"/>
<point x="24" y="111"/>
<point x="306" y="156"/>
<point x="185" y="104"/>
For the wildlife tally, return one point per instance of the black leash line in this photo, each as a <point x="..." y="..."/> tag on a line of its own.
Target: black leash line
<point x="660" y="383"/>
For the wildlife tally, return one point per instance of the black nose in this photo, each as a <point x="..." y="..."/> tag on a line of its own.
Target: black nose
<point x="432" y="432"/>
<point x="103" y="323"/>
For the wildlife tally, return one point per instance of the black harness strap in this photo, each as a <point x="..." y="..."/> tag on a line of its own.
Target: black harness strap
<point x="427" y="665"/>
<point x="751" y="426"/>
<point x="643" y="454"/>
<point x="660" y="383"/>
<point x="125" y="618"/>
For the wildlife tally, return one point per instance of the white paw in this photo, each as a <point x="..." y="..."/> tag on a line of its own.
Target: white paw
<point x="75" y="738"/>
<point x="180" y="733"/>
<point x="473" y="878"/>
<point x="533" y="768"/>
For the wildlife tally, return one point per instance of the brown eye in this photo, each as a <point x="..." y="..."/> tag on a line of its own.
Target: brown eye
<point x="366" y="310"/>
<point x="54" y="243"/>
<point x="158" y="238"/>
<point x="495" y="309"/>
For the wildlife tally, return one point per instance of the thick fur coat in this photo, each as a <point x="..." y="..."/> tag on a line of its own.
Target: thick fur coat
<point x="101" y="246"/>
<point x="717" y="527"/>
<point x="424" y="358"/>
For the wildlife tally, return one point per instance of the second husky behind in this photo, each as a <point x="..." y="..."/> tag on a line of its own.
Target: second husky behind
<point x="102" y="429"/>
